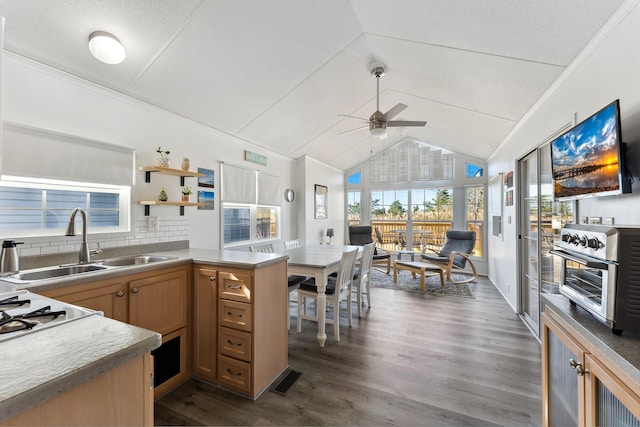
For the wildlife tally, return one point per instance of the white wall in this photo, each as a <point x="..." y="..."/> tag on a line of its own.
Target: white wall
<point x="43" y="97"/>
<point x="311" y="230"/>
<point x="607" y="70"/>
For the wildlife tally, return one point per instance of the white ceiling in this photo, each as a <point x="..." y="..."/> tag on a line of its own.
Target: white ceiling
<point x="277" y="73"/>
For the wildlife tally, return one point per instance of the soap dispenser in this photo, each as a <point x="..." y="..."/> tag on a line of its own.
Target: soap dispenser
<point x="9" y="258"/>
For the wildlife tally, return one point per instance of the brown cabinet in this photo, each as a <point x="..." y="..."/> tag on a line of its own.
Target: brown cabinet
<point x="249" y="344"/>
<point x="107" y="296"/>
<point x="156" y="300"/>
<point x="205" y="304"/>
<point x="580" y="386"/>
<point x="159" y="302"/>
<point x="117" y="397"/>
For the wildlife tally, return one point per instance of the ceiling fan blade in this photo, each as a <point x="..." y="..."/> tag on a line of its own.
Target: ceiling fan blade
<point x="354" y="130"/>
<point x="354" y="117"/>
<point x="393" y="112"/>
<point x="405" y="123"/>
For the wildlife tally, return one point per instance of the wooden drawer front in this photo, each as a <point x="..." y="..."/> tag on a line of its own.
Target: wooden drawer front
<point x="234" y="374"/>
<point x="234" y="286"/>
<point x="233" y="314"/>
<point x="234" y="343"/>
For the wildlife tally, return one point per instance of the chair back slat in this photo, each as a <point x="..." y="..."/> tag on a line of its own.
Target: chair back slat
<point x="345" y="271"/>
<point x="268" y="249"/>
<point x="292" y="244"/>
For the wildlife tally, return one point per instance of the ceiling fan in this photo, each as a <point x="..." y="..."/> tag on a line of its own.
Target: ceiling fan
<point x="378" y="122"/>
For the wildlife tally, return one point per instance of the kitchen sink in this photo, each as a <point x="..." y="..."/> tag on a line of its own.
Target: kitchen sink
<point x="134" y="260"/>
<point x="62" y="271"/>
<point x="53" y="272"/>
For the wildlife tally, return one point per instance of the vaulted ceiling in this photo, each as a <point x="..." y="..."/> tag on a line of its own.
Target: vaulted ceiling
<point x="277" y="73"/>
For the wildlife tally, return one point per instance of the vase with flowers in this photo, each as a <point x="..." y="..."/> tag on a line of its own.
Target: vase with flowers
<point x="164" y="157"/>
<point x="186" y="194"/>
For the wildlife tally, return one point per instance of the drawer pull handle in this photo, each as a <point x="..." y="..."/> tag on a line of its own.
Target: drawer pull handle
<point x="235" y="374"/>
<point x="237" y="344"/>
<point x="135" y="290"/>
<point x="230" y="314"/>
<point x="212" y="279"/>
<point x="232" y="286"/>
<point x="119" y="294"/>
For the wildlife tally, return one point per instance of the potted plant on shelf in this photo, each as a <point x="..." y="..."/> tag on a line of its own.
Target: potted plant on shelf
<point x="164" y="157"/>
<point x="186" y="194"/>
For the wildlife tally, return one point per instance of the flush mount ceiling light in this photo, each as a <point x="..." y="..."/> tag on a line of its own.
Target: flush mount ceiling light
<point x="106" y="47"/>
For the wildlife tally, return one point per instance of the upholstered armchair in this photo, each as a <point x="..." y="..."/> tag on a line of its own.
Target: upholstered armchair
<point x="454" y="254"/>
<point x="360" y="235"/>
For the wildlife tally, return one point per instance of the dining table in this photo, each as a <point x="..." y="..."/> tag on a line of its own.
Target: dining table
<point x="318" y="261"/>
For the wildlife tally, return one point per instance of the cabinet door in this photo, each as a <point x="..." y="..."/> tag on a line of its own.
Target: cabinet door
<point x="609" y="401"/>
<point x="107" y="297"/>
<point x="205" y="297"/>
<point x="562" y="388"/>
<point x="159" y="302"/>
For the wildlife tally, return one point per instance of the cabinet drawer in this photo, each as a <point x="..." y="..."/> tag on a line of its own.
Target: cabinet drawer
<point x="234" y="286"/>
<point x="233" y="314"/>
<point x="234" y="374"/>
<point x="234" y="343"/>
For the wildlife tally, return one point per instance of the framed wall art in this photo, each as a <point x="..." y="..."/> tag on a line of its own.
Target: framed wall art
<point x="321" y="195"/>
<point x="208" y="180"/>
<point x="208" y="198"/>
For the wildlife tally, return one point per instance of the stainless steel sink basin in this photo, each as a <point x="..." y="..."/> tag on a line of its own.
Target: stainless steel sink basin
<point x="134" y="260"/>
<point x="53" y="272"/>
<point x="71" y="270"/>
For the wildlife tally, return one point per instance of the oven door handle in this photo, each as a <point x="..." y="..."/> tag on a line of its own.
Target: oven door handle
<point x="584" y="261"/>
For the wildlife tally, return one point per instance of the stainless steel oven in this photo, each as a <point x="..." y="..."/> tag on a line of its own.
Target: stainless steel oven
<point x="601" y="272"/>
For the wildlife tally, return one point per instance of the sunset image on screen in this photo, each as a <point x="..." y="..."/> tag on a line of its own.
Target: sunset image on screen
<point x="585" y="159"/>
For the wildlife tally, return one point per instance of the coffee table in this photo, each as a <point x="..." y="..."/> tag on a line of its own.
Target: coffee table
<point x="417" y="267"/>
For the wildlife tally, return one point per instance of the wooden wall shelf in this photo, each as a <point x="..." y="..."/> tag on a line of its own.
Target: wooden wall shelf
<point x="167" y="171"/>
<point x="148" y="203"/>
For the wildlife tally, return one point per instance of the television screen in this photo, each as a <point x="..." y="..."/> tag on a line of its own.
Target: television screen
<point x="588" y="159"/>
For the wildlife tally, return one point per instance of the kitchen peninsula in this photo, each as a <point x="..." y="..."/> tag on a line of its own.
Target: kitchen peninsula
<point x="226" y="293"/>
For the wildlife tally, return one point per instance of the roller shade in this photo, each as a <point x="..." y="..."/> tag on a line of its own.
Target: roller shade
<point x="269" y="189"/>
<point x="238" y="184"/>
<point x="39" y="153"/>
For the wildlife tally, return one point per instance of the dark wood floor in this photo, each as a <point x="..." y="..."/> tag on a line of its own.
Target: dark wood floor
<point x="413" y="360"/>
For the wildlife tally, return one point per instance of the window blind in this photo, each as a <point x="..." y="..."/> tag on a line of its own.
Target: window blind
<point x="238" y="184"/>
<point x="269" y="189"/>
<point x="64" y="157"/>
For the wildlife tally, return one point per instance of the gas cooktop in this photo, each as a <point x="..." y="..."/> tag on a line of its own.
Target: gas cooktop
<point x="23" y="312"/>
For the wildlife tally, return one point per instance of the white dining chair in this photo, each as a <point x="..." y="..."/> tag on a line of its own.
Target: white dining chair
<point x="292" y="244"/>
<point x="268" y="248"/>
<point x="362" y="279"/>
<point x="338" y="289"/>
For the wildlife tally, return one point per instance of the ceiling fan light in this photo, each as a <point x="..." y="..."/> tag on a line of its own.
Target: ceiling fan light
<point x="379" y="132"/>
<point x="106" y="47"/>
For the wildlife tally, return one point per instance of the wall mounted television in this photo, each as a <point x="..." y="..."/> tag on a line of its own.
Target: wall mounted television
<point x="588" y="160"/>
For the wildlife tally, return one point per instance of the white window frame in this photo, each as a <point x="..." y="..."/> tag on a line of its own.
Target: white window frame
<point x="253" y="208"/>
<point x="124" y="208"/>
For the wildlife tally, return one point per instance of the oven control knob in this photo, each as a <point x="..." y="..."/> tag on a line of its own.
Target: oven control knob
<point x="574" y="239"/>
<point x="566" y="237"/>
<point x="594" y="243"/>
<point x="583" y="241"/>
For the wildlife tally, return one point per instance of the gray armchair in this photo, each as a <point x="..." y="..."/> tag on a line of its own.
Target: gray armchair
<point x="455" y="254"/>
<point x="360" y="235"/>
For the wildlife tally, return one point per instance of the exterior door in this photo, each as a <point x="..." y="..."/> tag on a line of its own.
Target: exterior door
<point x="541" y="220"/>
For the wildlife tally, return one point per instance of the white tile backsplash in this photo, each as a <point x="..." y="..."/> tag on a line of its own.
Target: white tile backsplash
<point x="171" y="229"/>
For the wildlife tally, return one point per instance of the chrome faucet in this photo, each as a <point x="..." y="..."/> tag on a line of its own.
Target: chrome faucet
<point x="85" y="253"/>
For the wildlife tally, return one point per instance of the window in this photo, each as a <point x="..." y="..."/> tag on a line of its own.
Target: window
<point x="43" y="208"/>
<point x="240" y="219"/>
<point x="355" y="178"/>
<point x="473" y="171"/>
<point x="389" y="204"/>
<point x="354" y="204"/>
<point x="475" y="214"/>
<point x="432" y="214"/>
